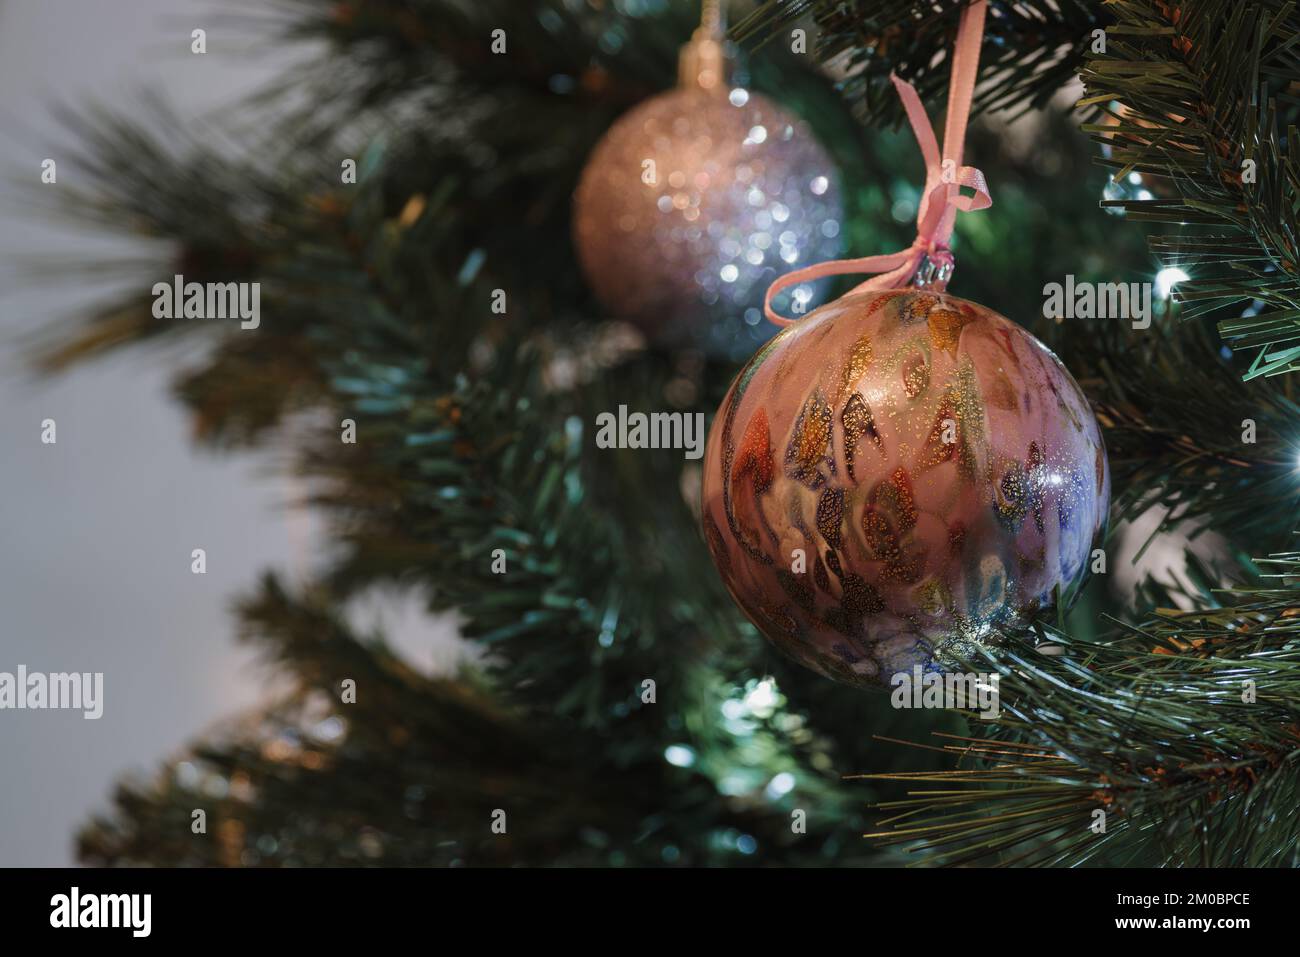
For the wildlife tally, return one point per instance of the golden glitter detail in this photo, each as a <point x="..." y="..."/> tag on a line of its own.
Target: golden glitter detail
<point x="830" y="513"/>
<point x="945" y="329"/>
<point x="1001" y="393"/>
<point x="856" y="366"/>
<point x="858" y="421"/>
<point x="916" y="375"/>
<point x="897" y="496"/>
<point x="937" y="450"/>
<point x="812" y="436"/>
<point x="917" y="308"/>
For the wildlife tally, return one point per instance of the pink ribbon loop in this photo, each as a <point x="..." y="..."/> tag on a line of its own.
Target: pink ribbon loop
<point x="945" y="177"/>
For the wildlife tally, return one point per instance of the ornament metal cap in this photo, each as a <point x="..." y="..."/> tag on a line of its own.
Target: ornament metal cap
<point x="934" y="271"/>
<point x="703" y="63"/>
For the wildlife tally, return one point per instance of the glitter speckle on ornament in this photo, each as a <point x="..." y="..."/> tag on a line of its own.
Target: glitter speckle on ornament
<point x="935" y="465"/>
<point x="694" y="202"/>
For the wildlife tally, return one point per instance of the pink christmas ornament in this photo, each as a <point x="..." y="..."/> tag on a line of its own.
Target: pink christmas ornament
<point x="894" y="477"/>
<point x="697" y="199"/>
<point x="902" y="473"/>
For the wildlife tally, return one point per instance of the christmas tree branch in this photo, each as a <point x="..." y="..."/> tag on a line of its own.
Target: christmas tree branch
<point x="1176" y="741"/>
<point x="1031" y="50"/>
<point x="474" y="442"/>
<point x="1223" y="459"/>
<point x="1201" y="97"/>
<point x="408" y="773"/>
<point x="1189" y="108"/>
<point x="468" y="442"/>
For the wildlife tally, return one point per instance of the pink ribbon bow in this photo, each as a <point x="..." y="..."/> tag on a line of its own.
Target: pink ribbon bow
<point x="944" y="178"/>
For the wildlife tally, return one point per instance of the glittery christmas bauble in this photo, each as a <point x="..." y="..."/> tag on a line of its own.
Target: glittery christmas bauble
<point x="897" y="475"/>
<point x="692" y="204"/>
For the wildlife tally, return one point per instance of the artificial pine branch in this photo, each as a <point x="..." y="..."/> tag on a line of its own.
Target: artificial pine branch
<point x="1224" y="459"/>
<point x="1200" y="96"/>
<point x="1030" y="51"/>
<point x="465" y="445"/>
<point x="407" y="775"/>
<point x="1183" y="730"/>
<point x="457" y="457"/>
<point x="411" y="772"/>
<point x="1193" y="94"/>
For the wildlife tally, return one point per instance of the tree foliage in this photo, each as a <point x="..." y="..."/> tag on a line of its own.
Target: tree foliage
<point x="473" y="442"/>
